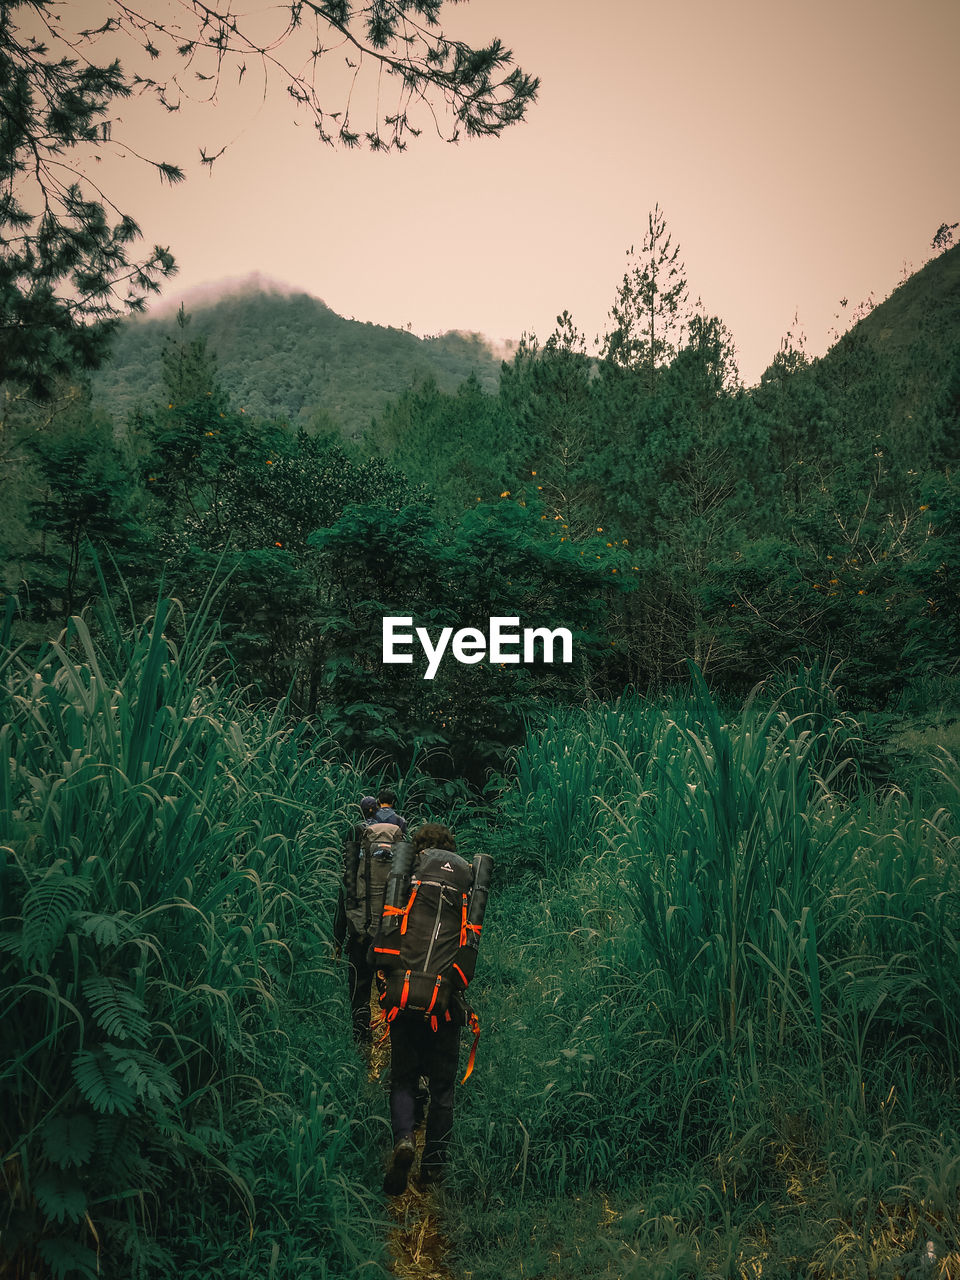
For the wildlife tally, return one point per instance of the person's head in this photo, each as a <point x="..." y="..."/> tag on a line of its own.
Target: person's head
<point x="434" y="835"/>
<point x="388" y="798"/>
<point x="368" y="806"/>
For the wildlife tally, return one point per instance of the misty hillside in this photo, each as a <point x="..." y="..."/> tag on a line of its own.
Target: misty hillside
<point x="292" y="358"/>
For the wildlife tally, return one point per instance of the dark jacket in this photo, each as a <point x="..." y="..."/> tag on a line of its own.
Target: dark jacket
<point x="391" y="815"/>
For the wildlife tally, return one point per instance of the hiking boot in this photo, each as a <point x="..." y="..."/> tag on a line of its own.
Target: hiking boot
<point x="395" y="1179"/>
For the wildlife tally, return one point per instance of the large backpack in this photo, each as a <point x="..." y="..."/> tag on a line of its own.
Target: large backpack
<point x="366" y="873"/>
<point x="430" y="932"/>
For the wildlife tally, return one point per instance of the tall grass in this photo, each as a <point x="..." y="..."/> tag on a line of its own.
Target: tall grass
<point x="166" y="855"/>
<point x="720" y="983"/>
<point x="727" y="979"/>
<point x="565" y="774"/>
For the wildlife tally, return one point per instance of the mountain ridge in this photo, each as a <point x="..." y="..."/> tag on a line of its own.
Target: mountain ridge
<point x="282" y="353"/>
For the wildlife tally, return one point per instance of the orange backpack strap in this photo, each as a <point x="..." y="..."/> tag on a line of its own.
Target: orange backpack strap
<point x="405" y="993"/>
<point x="406" y="910"/>
<point x="436" y="992"/>
<point x="473" y="1022"/>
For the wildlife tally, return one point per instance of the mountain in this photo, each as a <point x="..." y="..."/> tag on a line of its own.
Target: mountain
<point x="287" y="355"/>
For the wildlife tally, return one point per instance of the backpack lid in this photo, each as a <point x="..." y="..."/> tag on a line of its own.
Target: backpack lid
<point x="386" y="832"/>
<point x="379" y="838"/>
<point x="445" y="867"/>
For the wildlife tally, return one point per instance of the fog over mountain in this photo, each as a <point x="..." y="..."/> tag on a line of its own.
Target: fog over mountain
<point x="210" y="293"/>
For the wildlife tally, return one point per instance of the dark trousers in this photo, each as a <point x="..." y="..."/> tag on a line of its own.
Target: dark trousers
<point x="360" y="973"/>
<point x="415" y="1051"/>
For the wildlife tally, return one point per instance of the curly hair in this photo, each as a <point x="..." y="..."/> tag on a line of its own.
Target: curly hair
<point x="434" y="835"/>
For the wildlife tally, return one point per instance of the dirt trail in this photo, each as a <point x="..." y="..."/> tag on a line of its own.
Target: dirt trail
<point x="417" y="1245"/>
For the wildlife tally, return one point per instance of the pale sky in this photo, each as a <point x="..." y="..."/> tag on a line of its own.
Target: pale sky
<point x="800" y="152"/>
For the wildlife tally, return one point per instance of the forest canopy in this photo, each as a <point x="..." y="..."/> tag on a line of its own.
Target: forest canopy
<point x="645" y="500"/>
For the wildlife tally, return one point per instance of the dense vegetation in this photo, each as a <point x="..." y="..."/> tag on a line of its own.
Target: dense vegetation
<point x="719" y="991"/>
<point x="293" y="359"/>
<point x="661" y="511"/>
<point x="174" y="1093"/>
<point x="723" y="1003"/>
<point x="719" y="987"/>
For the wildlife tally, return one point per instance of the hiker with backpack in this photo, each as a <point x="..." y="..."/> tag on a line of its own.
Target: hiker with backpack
<point x="425" y="953"/>
<point x="367" y="856"/>
<point x="387" y="812"/>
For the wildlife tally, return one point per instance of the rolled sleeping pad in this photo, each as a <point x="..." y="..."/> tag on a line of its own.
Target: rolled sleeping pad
<point x="465" y="964"/>
<point x="482" y="875"/>
<point x="398" y="883"/>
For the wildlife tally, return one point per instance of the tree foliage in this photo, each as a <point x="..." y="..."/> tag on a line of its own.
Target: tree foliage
<point x="65" y="246"/>
<point x="316" y="50"/>
<point x="666" y="520"/>
<point x="69" y="267"/>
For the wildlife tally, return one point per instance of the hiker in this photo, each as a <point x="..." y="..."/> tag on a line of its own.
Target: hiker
<point x="426" y="953"/>
<point x="387" y="812"/>
<point x="367" y="852"/>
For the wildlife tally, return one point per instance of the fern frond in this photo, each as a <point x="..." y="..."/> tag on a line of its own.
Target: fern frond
<point x="144" y="1074"/>
<point x="103" y="929"/>
<point x="69" y="1140"/>
<point x="119" y="1150"/>
<point x="47" y="908"/>
<point x="60" y="1196"/>
<point x="66" y="1257"/>
<point x="118" y="1011"/>
<point x="101" y="1083"/>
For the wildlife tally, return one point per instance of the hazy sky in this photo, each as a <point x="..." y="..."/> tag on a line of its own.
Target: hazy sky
<point x="800" y="152"/>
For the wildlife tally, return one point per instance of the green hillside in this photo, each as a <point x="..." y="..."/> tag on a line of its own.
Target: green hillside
<point x="921" y="316"/>
<point x="290" y="357"/>
<point x="891" y="374"/>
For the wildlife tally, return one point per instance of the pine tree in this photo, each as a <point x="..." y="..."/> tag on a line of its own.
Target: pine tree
<point x="650" y="310"/>
<point x="189" y="369"/>
<point x="64" y="250"/>
<point x="82" y="496"/>
<point x="553" y="406"/>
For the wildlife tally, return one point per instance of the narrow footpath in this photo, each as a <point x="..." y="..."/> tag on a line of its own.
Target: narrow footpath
<point x="416" y="1244"/>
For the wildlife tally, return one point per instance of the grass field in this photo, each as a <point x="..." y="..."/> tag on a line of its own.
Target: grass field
<point x="719" y="990"/>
